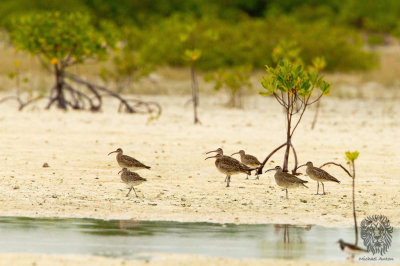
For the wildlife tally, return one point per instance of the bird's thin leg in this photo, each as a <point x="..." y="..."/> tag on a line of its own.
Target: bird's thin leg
<point x="228" y="179"/>
<point x="257" y="176"/>
<point x="286" y="194"/>
<point x="135" y="192"/>
<point x="317" y="188"/>
<point x="129" y="192"/>
<point x="323" y="188"/>
<point x="247" y="177"/>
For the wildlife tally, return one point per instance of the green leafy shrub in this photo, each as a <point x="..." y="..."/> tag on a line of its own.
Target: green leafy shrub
<point x="62" y="40"/>
<point x="292" y="87"/>
<point x="129" y="66"/>
<point x="233" y="80"/>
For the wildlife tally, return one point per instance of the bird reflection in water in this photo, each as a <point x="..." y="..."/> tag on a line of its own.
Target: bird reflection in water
<point x="292" y="239"/>
<point x="127" y="224"/>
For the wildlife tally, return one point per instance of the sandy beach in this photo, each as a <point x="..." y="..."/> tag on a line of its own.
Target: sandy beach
<point x="82" y="180"/>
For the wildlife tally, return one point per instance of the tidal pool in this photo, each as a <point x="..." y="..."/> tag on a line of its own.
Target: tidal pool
<point x="139" y="239"/>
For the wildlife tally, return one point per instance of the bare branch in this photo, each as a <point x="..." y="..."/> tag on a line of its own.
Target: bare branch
<point x="341" y="166"/>
<point x="316" y="100"/>
<point x="269" y="156"/>
<point x="301" y="115"/>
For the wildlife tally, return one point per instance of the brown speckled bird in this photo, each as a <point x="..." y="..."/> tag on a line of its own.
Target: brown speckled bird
<point x="131" y="179"/>
<point x="228" y="165"/>
<point x="249" y="160"/>
<point x="287" y="180"/>
<point x="126" y="161"/>
<point x="319" y="175"/>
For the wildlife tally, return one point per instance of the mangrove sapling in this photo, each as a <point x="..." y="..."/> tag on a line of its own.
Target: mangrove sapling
<point x="350" y="157"/>
<point x="234" y="80"/>
<point x="129" y="64"/>
<point x="62" y="40"/>
<point x="192" y="56"/>
<point x="23" y="96"/>
<point x="190" y="38"/>
<point x="318" y="63"/>
<point x="292" y="87"/>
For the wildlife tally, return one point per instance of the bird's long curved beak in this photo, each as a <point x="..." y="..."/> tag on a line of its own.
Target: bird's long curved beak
<point x="234" y="153"/>
<point x="119" y="171"/>
<point x="211" y="157"/>
<point x="112" y="152"/>
<point x="301" y="166"/>
<point x="211" y="151"/>
<point x="269" y="170"/>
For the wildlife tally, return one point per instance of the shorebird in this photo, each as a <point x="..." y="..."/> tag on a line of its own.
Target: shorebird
<point x="318" y="175"/>
<point x="219" y="151"/>
<point x="249" y="160"/>
<point x="126" y="161"/>
<point x="287" y="180"/>
<point x="131" y="179"/>
<point x="228" y="165"/>
<point x="351" y="249"/>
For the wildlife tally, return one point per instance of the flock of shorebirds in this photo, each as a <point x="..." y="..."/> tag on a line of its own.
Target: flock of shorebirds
<point x="231" y="166"/>
<point x="228" y="166"/>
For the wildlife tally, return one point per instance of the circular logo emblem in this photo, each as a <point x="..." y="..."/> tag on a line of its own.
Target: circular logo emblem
<point x="376" y="233"/>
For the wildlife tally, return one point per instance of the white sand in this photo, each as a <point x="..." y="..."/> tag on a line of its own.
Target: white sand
<point x="82" y="180"/>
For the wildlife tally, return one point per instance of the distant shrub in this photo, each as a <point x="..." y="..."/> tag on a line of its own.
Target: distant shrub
<point x="252" y="42"/>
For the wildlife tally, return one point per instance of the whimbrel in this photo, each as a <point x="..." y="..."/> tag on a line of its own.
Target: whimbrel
<point x="318" y="175"/>
<point x="229" y="166"/>
<point x="287" y="180"/>
<point x="131" y="179"/>
<point x="249" y="160"/>
<point x="351" y="249"/>
<point x="219" y="151"/>
<point x="126" y="161"/>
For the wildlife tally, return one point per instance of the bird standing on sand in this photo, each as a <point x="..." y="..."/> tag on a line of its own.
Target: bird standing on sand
<point x="126" y="161"/>
<point x="131" y="179"/>
<point x="228" y="165"/>
<point x="248" y="160"/>
<point x="318" y="175"/>
<point x="287" y="180"/>
<point x="351" y="249"/>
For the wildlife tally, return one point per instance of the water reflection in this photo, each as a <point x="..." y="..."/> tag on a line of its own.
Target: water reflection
<point x="291" y="246"/>
<point x="132" y="239"/>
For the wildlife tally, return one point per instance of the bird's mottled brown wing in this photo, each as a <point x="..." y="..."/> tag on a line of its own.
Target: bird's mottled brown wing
<point x="250" y="159"/>
<point x="324" y="175"/>
<point x="232" y="164"/>
<point x="132" y="161"/>
<point x="130" y="177"/>
<point x="293" y="179"/>
<point x="136" y="176"/>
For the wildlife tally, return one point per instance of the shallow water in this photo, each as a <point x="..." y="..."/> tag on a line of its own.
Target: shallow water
<point x="138" y="239"/>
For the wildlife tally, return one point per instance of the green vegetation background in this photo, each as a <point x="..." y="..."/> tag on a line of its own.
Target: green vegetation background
<point x="231" y="33"/>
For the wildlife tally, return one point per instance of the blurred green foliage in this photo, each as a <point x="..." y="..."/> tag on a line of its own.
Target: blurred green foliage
<point x="231" y="33"/>
<point x="59" y="38"/>
<point x="234" y="80"/>
<point x="129" y="66"/>
<point x="291" y="78"/>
